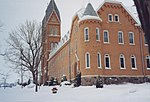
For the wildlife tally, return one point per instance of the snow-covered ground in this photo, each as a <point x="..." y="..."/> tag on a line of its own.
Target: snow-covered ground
<point x="110" y="93"/>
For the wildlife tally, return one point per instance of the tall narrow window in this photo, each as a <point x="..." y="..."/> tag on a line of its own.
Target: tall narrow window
<point x="52" y="45"/>
<point x="122" y="62"/>
<point x="106" y="36"/>
<point x="97" y="34"/>
<point x="110" y="17"/>
<point x="120" y="37"/>
<point x="131" y="38"/>
<point x="145" y="40"/>
<point x="87" y="60"/>
<point x="116" y="18"/>
<point x="99" y="60"/>
<point x="51" y="30"/>
<point x="86" y="34"/>
<point x="56" y="31"/>
<point x="133" y="62"/>
<point x="148" y="62"/>
<point x="107" y="61"/>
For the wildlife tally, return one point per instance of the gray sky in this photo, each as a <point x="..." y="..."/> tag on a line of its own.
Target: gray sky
<point x="15" y="12"/>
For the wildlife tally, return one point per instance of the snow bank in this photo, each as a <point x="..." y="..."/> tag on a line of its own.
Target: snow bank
<point x="110" y="93"/>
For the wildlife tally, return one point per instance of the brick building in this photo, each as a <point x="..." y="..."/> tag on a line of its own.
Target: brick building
<point x="108" y="42"/>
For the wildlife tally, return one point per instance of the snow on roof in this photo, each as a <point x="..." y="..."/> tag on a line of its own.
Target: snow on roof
<point x="89" y="17"/>
<point x="88" y="13"/>
<point x="63" y="41"/>
<point x="128" y="9"/>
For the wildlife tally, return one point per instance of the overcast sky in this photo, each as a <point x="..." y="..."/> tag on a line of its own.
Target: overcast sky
<point x="15" y="12"/>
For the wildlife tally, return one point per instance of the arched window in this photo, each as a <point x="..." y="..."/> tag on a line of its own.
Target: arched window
<point x="133" y="62"/>
<point x="86" y="34"/>
<point x="122" y="61"/>
<point x="148" y="62"/>
<point x="52" y="45"/>
<point x="106" y="36"/>
<point x="120" y="37"/>
<point x="51" y="30"/>
<point x="55" y="31"/>
<point x="107" y="61"/>
<point x="116" y="18"/>
<point x="87" y="60"/>
<point x="131" y="38"/>
<point x="97" y="34"/>
<point x="110" y="17"/>
<point x="99" y="60"/>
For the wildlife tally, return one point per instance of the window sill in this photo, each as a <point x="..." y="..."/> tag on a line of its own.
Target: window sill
<point x="123" y="68"/>
<point x="114" y="22"/>
<point x="146" y="45"/>
<point x="132" y="44"/>
<point x="87" y="68"/>
<point x="106" y="43"/>
<point x="148" y="68"/>
<point x="107" y="68"/>
<point x="134" y="68"/>
<point x="99" y="67"/>
<point x="86" y="40"/>
<point x="121" y="43"/>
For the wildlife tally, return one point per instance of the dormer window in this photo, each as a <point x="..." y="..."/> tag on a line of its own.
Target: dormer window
<point x="110" y="17"/>
<point x="116" y="18"/>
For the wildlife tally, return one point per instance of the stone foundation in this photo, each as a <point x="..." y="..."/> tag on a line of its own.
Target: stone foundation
<point x="88" y="81"/>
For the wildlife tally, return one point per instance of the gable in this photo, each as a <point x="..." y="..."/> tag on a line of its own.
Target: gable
<point x="118" y="7"/>
<point x="53" y="18"/>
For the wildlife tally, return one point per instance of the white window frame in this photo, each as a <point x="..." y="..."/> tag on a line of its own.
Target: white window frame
<point x="51" y="31"/>
<point x="121" y="37"/>
<point x="145" y="41"/>
<point x="107" y="56"/>
<point x="87" y="67"/>
<point x="107" y="36"/>
<point x="110" y="15"/>
<point x="147" y="57"/>
<point x="52" y="45"/>
<point x="135" y="62"/>
<point x="116" y="15"/>
<point x="99" y="61"/>
<point x="97" y="34"/>
<point x="86" y="28"/>
<point x="122" y="56"/>
<point x="132" y="38"/>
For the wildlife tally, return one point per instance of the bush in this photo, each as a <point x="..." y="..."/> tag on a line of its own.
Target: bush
<point x="64" y="78"/>
<point x="78" y="79"/>
<point x="99" y="82"/>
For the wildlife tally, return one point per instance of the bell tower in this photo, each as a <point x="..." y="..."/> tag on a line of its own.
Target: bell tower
<point x="51" y="35"/>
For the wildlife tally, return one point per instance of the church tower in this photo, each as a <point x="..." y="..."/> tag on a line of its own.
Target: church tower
<point x="51" y="34"/>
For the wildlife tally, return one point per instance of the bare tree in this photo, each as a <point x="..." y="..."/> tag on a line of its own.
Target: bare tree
<point x="143" y="8"/>
<point x="1" y="25"/>
<point x="4" y="78"/>
<point x="24" y="51"/>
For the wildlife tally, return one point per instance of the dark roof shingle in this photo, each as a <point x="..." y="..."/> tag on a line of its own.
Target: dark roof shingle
<point x="52" y="7"/>
<point x="89" y="10"/>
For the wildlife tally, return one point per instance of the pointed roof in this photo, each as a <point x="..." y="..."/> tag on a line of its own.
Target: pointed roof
<point x="88" y="13"/>
<point x="135" y="17"/>
<point x="89" y="10"/>
<point x="52" y="7"/>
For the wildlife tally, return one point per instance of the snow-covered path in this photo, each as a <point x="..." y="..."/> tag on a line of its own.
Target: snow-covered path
<point x="110" y="93"/>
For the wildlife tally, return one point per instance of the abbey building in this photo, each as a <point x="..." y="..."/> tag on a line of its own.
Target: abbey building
<point x="108" y="42"/>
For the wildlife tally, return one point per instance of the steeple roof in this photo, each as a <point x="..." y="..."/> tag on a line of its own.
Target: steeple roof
<point x="52" y="7"/>
<point x="89" y="10"/>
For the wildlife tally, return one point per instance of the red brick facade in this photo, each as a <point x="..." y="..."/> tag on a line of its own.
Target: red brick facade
<point x="70" y="55"/>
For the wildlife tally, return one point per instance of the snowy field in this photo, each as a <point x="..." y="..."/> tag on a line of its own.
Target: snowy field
<point x="110" y="93"/>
